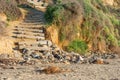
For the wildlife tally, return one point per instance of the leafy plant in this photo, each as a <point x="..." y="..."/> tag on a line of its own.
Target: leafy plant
<point x="115" y="21"/>
<point x="119" y="43"/>
<point x="54" y="14"/>
<point x="78" y="46"/>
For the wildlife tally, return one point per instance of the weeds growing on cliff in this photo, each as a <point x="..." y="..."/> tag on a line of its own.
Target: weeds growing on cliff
<point x="77" y="46"/>
<point x="54" y="14"/>
<point x="91" y="18"/>
<point x="9" y="7"/>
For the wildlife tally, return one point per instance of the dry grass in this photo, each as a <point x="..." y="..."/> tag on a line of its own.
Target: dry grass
<point x="9" y="7"/>
<point x="3" y="28"/>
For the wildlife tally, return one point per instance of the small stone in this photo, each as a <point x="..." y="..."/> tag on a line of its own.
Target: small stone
<point x="51" y="57"/>
<point x="66" y="62"/>
<point x="49" y="43"/>
<point x="4" y="56"/>
<point x="92" y="60"/>
<point x="57" y="56"/>
<point x="26" y="57"/>
<point x="67" y="57"/>
<point x="81" y="58"/>
<point x="17" y="54"/>
<point x="24" y="50"/>
<point x="34" y="55"/>
<point x="100" y="61"/>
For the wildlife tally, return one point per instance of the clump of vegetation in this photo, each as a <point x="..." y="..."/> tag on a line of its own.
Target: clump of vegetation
<point x="78" y="46"/>
<point x="55" y="14"/>
<point x="119" y="43"/>
<point x="9" y="7"/>
<point x="64" y="15"/>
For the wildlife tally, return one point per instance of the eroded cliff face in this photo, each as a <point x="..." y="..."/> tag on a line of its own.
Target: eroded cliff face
<point x="96" y="23"/>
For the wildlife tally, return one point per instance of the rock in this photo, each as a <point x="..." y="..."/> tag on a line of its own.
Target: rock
<point x="24" y="50"/>
<point x="51" y="57"/>
<point x="26" y="57"/>
<point x="81" y="58"/>
<point x="99" y="61"/>
<point x="34" y="55"/>
<point x="49" y="43"/>
<point x="4" y="56"/>
<point x="92" y="60"/>
<point x="67" y="57"/>
<point x="66" y="62"/>
<point x="114" y="56"/>
<point x="57" y="56"/>
<point x="17" y="54"/>
<point x="6" y="79"/>
<point x="44" y="52"/>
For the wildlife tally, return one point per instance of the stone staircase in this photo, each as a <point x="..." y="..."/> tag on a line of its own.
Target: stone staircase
<point x="30" y="34"/>
<point x="31" y="44"/>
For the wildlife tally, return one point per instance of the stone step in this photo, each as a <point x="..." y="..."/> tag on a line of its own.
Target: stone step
<point x="35" y="13"/>
<point x="37" y="17"/>
<point x="29" y="33"/>
<point x="35" y="48"/>
<point x="30" y="26"/>
<point x="42" y="42"/>
<point x="29" y="30"/>
<point x="34" y="28"/>
<point x="30" y="37"/>
<point x="32" y="20"/>
<point x="38" y="23"/>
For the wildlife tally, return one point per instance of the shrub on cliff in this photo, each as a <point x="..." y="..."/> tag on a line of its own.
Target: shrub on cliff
<point x="9" y="7"/>
<point x="78" y="46"/>
<point x="66" y="16"/>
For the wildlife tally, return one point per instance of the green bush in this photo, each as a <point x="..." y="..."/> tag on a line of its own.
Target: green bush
<point x="115" y="21"/>
<point x="77" y="46"/>
<point x="54" y="14"/>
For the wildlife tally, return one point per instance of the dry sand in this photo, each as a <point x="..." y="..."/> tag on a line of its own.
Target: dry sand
<point x="79" y="72"/>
